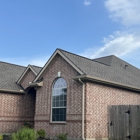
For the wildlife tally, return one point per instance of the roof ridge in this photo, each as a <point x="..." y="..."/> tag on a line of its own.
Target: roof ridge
<point x="83" y="56"/>
<point x="71" y="60"/>
<point x="12" y="64"/>
<point x="104" y="56"/>
<point x="100" y="63"/>
<point x="100" y="60"/>
<point x="35" y="66"/>
<point x="113" y="56"/>
<point x="75" y="54"/>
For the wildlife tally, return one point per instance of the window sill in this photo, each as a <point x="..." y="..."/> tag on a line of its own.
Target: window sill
<point x="58" y="123"/>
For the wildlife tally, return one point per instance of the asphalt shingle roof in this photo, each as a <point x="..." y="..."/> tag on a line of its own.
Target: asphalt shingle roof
<point x="36" y="68"/>
<point x="9" y="74"/>
<point x="109" y="68"/>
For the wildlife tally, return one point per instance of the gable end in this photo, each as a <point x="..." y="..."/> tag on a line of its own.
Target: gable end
<point x="50" y="60"/>
<point x="24" y="73"/>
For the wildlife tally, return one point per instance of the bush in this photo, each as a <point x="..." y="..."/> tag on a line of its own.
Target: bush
<point x="6" y="137"/>
<point x="1" y="137"/>
<point x="41" y="133"/>
<point x="25" y="134"/>
<point x="62" y="136"/>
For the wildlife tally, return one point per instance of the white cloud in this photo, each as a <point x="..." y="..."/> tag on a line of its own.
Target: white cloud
<point x="124" y="44"/>
<point x="119" y="44"/>
<point x="87" y="2"/>
<point x="125" y="11"/>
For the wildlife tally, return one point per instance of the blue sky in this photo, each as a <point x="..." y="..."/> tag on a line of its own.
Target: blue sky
<point x="31" y="30"/>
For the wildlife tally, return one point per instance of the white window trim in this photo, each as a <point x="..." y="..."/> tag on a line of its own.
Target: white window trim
<point x="63" y="122"/>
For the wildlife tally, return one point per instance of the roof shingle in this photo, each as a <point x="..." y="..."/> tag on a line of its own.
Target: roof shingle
<point x="109" y="68"/>
<point x="9" y="74"/>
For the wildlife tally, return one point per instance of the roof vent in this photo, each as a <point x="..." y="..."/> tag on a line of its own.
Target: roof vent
<point x="125" y="66"/>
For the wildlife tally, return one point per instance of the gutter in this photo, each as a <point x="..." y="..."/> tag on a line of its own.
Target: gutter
<point x="83" y="109"/>
<point x="12" y="91"/>
<point x="99" y="80"/>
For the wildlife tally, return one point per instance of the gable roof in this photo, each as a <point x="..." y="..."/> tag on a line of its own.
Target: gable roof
<point x="34" y="69"/>
<point x="114" y="69"/>
<point x="9" y="74"/>
<point x="109" y="68"/>
<point x="51" y="58"/>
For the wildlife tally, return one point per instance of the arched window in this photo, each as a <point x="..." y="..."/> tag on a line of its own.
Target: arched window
<point x="59" y="98"/>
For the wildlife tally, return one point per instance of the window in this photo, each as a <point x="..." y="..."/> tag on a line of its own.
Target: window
<point x="59" y="98"/>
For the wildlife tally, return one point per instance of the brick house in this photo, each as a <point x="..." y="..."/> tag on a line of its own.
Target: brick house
<point x="70" y="94"/>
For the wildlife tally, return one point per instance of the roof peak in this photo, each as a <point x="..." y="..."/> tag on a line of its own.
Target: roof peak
<point x="87" y="57"/>
<point x="35" y="66"/>
<point x="106" y="60"/>
<point x="74" y="54"/>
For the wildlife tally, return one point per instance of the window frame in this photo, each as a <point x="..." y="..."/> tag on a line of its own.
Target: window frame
<point x="65" y="107"/>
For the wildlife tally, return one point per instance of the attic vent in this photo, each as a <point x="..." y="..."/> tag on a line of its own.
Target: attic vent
<point x="124" y="66"/>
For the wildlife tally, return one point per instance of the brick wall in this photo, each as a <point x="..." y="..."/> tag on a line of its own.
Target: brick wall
<point x="15" y="110"/>
<point x="74" y="101"/>
<point x="98" y="97"/>
<point x="28" y="77"/>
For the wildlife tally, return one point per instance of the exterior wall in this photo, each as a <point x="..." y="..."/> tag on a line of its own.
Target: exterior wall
<point x="97" y="98"/>
<point x="15" y="110"/>
<point x="28" y="77"/>
<point x="73" y="125"/>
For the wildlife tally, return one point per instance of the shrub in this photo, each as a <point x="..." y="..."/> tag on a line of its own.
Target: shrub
<point x="25" y="134"/>
<point x="41" y="133"/>
<point x="6" y="137"/>
<point x="1" y="137"/>
<point x="62" y="136"/>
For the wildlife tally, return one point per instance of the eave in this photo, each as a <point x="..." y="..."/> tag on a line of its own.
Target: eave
<point x="36" y="84"/>
<point x="110" y="83"/>
<point x="12" y="91"/>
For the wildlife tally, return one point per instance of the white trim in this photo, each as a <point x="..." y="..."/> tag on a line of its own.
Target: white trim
<point x="40" y="84"/>
<point x="99" y="80"/>
<point x="96" y="138"/>
<point x="59" y="74"/>
<point x="49" y="61"/>
<point x="83" y="109"/>
<point x="58" y="122"/>
<point x="60" y="107"/>
<point x="12" y="91"/>
<point x="29" y="67"/>
<point x="52" y="102"/>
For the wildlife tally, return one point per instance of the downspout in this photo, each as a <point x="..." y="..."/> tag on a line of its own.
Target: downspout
<point x="83" y="109"/>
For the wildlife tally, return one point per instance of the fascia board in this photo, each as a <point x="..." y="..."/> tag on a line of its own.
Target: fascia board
<point x="12" y="91"/>
<point x="49" y="61"/>
<point x="24" y="73"/>
<point x="99" y="80"/>
<point x="40" y="84"/>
